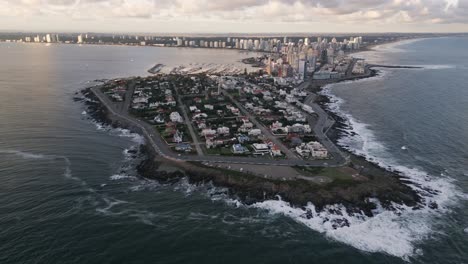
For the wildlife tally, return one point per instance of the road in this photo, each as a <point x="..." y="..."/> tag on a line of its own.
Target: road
<point x="155" y="141"/>
<point x="323" y="122"/>
<point x="264" y="130"/>
<point x="188" y="123"/>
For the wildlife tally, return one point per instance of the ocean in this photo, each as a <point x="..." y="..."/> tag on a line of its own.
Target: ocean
<point x="69" y="192"/>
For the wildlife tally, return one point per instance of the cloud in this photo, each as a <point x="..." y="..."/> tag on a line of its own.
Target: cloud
<point x="278" y="11"/>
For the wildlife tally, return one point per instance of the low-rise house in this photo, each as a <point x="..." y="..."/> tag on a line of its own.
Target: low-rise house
<point x="299" y="129"/>
<point x="213" y="143"/>
<point x="201" y="125"/>
<point x="243" y="138"/>
<point x="245" y="127"/>
<point x="290" y="99"/>
<point x="199" y="116"/>
<point x="317" y="150"/>
<point x="178" y="137"/>
<point x="303" y="150"/>
<point x="209" y="107"/>
<point x="276" y="125"/>
<point x="239" y="149"/>
<point x="183" y="147"/>
<point x="159" y="119"/>
<point x="223" y="131"/>
<point x="260" y="149"/>
<point x="176" y="117"/>
<point x="275" y="151"/>
<point x="193" y="108"/>
<point x="140" y="100"/>
<point x="255" y="132"/>
<point x="208" y="132"/>
<point x="234" y="110"/>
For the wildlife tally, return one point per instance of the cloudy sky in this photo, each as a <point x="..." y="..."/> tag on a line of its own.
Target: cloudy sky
<point x="232" y="16"/>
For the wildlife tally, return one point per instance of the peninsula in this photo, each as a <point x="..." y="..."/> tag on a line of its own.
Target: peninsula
<point x="259" y="134"/>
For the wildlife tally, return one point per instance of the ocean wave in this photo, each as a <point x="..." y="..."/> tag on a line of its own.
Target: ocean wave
<point x="67" y="169"/>
<point x="385" y="232"/>
<point x="435" y="67"/>
<point x="117" y="177"/>
<point x="25" y="155"/>
<point x="393" y="47"/>
<point x="120" y="132"/>
<point x="393" y="232"/>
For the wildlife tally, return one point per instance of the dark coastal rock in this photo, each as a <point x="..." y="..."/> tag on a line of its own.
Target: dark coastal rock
<point x="354" y="195"/>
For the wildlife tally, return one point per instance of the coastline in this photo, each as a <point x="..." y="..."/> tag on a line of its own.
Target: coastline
<point x="249" y="188"/>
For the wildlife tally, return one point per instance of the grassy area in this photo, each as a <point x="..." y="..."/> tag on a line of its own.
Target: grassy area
<point x="224" y="151"/>
<point x="340" y="173"/>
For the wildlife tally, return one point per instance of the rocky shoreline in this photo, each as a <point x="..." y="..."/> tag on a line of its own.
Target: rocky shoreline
<point x="385" y="186"/>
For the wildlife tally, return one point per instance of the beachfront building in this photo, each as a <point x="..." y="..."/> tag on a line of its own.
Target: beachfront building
<point x="260" y="149"/>
<point x="317" y="150"/>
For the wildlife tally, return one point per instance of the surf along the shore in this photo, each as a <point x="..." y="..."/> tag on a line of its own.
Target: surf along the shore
<point x="399" y="232"/>
<point x="376" y="224"/>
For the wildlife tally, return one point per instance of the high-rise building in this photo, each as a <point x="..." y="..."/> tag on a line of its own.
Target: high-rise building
<point x="79" y="39"/>
<point x="302" y="69"/>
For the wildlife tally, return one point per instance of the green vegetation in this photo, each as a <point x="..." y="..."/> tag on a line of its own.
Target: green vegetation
<point x="332" y="173"/>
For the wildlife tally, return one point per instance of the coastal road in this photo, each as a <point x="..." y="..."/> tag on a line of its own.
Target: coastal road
<point x="324" y="122"/>
<point x="155" y="141"/>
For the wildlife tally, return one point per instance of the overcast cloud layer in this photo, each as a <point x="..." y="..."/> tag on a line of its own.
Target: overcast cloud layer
<point x="235" y="15"/>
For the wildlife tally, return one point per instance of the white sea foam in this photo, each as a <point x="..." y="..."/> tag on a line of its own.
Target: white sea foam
<point x="121" y="132"/>
<point x="28" y="155"/>
<point x="25" y="155"/>
<point x="392" y="232"/>
<point x="117" y="177"/>
<point x="435" y="67"/>
<point x="386" y="232"/>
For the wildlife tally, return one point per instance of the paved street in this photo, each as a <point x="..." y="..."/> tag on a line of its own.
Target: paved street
<point x="155" y="141"/>
<point x="264" y="130"/>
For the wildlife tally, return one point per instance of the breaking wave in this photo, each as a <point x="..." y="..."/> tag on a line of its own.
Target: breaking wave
<point x="394" y="232"/>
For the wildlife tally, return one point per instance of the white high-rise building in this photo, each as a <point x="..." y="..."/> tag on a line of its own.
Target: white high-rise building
<point x="79" y="39"/>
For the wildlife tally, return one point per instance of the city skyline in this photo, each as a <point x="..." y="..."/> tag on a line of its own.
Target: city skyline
<point x="242" y="16"/>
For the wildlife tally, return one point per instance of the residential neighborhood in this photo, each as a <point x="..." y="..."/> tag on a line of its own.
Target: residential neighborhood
<point x="254" y="115"/>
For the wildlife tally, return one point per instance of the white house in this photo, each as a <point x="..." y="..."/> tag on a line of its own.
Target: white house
<point x="159" y="119"/>
<point x="223" y="130"/>
<point x="303" y="151"/>
<point x="209" y="107"/>
<point x="207" y="132"/>
<point x="175" y="117"/>
<point x="317" y="150"/>
<point x="255" y="132"/>
<point x="260" y="148"/>
<point x="140" y="100"/>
